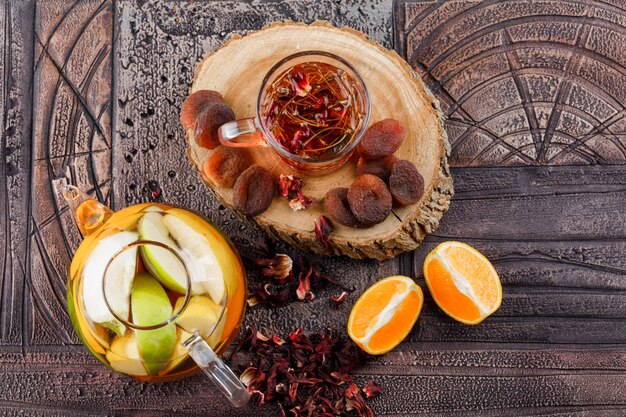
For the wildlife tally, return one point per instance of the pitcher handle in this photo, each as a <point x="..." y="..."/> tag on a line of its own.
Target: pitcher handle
<point x="243" y="133"/>
<point x="216" y="370"/>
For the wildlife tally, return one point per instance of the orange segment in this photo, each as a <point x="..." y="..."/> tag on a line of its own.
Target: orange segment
<point x="385" y="314"/>
<point x="463" y="283"/>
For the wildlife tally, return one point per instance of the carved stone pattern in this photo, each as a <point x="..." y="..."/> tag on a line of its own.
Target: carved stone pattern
<point x="524" y="82"/>
<point x="90" y="92"/>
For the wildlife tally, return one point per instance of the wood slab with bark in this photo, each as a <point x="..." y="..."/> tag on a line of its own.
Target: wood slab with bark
<point x="237" y="69"/>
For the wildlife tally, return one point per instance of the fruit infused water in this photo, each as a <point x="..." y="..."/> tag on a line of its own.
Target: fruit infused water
<point x="314" y="109"/>
<point x="145" y="281"/>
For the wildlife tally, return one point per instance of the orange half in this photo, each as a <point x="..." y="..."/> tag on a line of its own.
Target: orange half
<point x="385" y="314"/>
<point x="463" y="282"/>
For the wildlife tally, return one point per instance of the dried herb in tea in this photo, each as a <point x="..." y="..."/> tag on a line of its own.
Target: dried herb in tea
<point x="314" y="109"/>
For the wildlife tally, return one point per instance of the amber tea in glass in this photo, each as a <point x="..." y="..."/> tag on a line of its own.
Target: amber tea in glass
<point x="313" y="108"/>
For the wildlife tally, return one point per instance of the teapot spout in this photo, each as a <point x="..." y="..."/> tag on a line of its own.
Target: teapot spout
<point x="88" y="213"/>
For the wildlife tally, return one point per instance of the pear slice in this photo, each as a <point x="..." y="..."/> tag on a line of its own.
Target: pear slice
<point x="118" y="283"/>
<point x="151" y="306"/>
<point x="201" y="315"/>
<point x="205" y="271"/>
<point x="160" y="262"/>
<point x="124" y="355"/>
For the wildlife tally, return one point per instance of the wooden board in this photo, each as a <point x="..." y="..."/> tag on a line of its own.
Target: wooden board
<point x="237" y="70"/>
<point x="556" y="347"/>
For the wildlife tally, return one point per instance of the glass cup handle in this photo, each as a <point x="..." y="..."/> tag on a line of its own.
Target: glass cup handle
<point x="214" y="368"/>
<point x="242" y="133"/>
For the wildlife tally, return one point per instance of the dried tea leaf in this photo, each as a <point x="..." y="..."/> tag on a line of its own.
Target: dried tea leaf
<point x="305" y="375"/>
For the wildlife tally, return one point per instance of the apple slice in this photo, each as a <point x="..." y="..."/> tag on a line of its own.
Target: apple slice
<point x="180" y="354"/>
<point x="151" y="306"/>
<point x="119" y="280"/>
<point x="201" y="315"/>
<point x="160" y="262"/>
<point x="124" y="355"/>
<point x="206" y="273"/>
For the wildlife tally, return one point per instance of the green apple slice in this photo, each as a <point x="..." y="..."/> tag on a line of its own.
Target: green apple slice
<point x="180" y="354"/>
<point x="205" y="271"/>
<point x="151" y="306"/>
<point x="124" y="355"/>
<point x="118" y="283"/>
<point x="161" y="263"/>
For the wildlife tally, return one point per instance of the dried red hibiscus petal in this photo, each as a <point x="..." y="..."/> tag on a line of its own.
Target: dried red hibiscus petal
<point x="269" y="293"/>
<point x="282" y="286"/>
<point x="322" y="230"/>
<point x="279" y="267"/>
<point x="304" y="288"/>
<point x="355" y="401"/>
<point x="304" y="375"/>
<point x="339" y="299"/>
<point x="372" y="389"/>
<point x="289" y="183"/>
<point x="300" y="202"/>
<point x="291" y="188"/>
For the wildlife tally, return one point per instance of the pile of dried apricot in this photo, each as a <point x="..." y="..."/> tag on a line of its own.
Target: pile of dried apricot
<point x="205" y="111"/>
<point x="382" y="180"/>
<point x="253" y="186"/>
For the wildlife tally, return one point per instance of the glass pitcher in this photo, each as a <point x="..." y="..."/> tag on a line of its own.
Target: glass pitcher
<point x="155" y="291"/>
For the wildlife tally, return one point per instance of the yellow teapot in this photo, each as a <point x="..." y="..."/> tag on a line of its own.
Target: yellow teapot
<point x="156" y="291"/>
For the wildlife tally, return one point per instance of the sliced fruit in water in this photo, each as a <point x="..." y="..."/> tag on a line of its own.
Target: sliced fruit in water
<point x="206" y="273"/>
<point x="119" y="280"/>
<point x="151" y="306"/>
<point x="180" y="354"/>
<point x="124" y="355"/>
<point x="385" y="314"/>
<point x="160" y="262"/>
<point x="201" y="315"/>
<point x="226" y="257"/>
<point x="463" y="282"/>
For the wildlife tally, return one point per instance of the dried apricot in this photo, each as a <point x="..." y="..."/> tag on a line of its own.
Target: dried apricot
<point x="195" y="104"/>
<point x="381" y="139"/>
<point x="406" y="184"/>
<point x="380" y="167"/>
<point x="369" y="199"/>
<point x="336" y="206"/>
<point x="209" y="121"/>
<point x="225" y="164"/>
<point x="254" y="191"/>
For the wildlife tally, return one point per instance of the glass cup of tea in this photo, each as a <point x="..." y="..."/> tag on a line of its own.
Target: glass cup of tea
<point x="312" y="109"/>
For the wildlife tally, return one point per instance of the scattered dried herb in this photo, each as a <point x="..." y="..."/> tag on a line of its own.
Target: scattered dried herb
<point x="304" y="288"/>
<point x="304" y="375"/>
<point x="279" y="267"/>
<point x="322" y="230"/>
<point x="282" y="286"/>
<point x="290" y="187"/>
<point x="372" y="389"/>
<point x="339" y="299"/>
